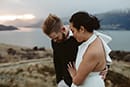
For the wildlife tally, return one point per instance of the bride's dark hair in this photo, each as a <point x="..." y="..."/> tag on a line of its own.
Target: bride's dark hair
<point x="81" y="18"/>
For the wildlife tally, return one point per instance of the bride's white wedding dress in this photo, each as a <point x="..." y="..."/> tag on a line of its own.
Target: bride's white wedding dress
<point x="93" y="79"/>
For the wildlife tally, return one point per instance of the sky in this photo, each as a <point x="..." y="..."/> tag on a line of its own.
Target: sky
<point x="41" y="8"/>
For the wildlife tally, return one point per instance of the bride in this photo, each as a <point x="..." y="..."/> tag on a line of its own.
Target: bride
<point x="93" y="53"/>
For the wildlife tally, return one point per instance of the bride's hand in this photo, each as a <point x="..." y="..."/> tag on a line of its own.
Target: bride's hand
<point x="72" y="69"/>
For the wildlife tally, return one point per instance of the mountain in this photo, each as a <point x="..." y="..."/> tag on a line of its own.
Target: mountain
<point x="3" y="27"/>
<point x="21" y="23"/>
<point x="113" y="20"/>
<point x="39" y="22"/>
<point x="117" y="20"/>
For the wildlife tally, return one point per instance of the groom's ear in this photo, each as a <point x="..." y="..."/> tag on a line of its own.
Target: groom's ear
<point x="63" y="29"/>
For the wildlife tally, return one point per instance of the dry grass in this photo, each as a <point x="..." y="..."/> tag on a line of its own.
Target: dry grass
<point x="121" y="67"/>
<point x="26" y="67"/>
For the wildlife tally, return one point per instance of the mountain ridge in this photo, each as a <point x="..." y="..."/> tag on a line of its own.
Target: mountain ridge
<point x="112" y="20"/>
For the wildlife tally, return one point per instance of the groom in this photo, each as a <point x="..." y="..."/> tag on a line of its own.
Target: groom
<point x="64" y="48"/>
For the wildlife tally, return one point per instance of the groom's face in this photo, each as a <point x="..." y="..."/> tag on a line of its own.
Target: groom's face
<point x="57" y="36"/>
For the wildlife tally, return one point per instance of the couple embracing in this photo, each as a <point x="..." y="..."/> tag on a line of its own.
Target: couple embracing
<point x="81" y="54"/>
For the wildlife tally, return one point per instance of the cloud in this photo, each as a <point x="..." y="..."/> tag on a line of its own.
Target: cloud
<point x="60" y="7"/>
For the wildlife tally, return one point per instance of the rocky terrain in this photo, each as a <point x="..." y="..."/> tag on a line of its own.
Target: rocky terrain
<point x="33" y="67"/>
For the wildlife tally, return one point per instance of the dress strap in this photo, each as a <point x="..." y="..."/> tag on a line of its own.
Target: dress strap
<point x="89" y="41"/>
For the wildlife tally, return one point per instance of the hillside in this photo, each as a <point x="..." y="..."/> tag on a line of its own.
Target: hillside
<point x="33" y="67"/>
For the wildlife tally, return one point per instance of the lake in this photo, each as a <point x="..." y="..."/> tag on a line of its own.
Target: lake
<point x="30" y="37"/>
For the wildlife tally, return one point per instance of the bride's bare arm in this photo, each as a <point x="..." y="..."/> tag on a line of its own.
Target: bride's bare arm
<point x="86" y="66"/>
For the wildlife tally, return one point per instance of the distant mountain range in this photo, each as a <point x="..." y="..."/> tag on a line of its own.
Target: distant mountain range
<point x="114" y="20"/>
<point x="117" y="20"/>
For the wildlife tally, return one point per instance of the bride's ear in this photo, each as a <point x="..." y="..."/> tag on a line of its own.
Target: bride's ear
<point x="82" y="29"/>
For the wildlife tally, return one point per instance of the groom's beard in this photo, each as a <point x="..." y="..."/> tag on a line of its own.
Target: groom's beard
<point x="63" y="38"/>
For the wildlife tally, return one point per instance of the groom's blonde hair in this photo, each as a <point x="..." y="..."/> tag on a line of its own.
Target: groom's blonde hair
<point x="51" y="24"/>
